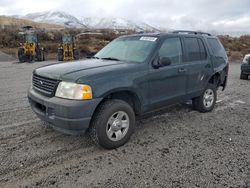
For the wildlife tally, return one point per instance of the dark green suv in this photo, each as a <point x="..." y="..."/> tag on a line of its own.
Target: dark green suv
<point x="130" y="76"/>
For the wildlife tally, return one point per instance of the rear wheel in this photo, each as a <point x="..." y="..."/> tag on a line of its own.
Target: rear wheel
<point x="112" y="124"/>
<point x="243" y="76"/>
<point x="206" y="102"/>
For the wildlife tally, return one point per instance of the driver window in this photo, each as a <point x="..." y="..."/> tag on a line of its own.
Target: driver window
<point x="171" y="48"/>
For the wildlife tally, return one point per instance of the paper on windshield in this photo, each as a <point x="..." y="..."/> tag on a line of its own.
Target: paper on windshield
<point x="152" y="39"/>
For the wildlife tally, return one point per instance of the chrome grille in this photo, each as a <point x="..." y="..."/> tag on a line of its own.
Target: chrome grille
<point x="44" y="85"/>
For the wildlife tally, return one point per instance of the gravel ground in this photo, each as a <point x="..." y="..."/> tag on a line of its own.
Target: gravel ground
<point x="177" y="147"/>
<point x="5" y="57"/>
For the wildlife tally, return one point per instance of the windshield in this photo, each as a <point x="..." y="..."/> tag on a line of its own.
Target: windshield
<point x="67" y="39"/>
<point x="133" y="49"/>
<point x="246" y="59"/>
<point x="31" y="38"/>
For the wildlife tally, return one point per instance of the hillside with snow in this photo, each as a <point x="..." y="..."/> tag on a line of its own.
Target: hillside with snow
<point x="70" y="21"/>
<point x="55" y="17"/>
<point x="116" y="23"/>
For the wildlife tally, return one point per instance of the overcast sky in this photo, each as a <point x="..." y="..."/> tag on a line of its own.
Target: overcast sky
<point x="225" y="15"/>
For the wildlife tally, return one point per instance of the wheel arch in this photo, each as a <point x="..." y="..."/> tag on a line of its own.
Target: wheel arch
<point x="127" y="95"/>
<point x="215" y="79"/>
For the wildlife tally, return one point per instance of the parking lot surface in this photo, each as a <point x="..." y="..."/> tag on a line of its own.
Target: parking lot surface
<point x="175" y="147"/>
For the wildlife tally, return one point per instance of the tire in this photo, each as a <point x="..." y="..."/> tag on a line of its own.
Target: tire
<point x="60" y="55"/>
<point x="30" y="58"/>
<point x="76" y="54"/>
<point x="243" y="76"/>
<point x="107" y="129"/>
<point x="207" y="101"/>
<point x="39" y="55"/>
<point x="21" y="55"/>
<point x="43" y="56"/>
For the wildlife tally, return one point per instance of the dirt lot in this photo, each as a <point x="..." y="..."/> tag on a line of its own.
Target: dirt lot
<point x="178" y="147"/>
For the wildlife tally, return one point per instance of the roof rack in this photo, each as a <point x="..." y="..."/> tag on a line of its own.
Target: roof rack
<point x="191" y="32"/>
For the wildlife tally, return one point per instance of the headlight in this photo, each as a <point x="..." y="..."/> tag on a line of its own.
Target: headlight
<point x="69" y="90"/>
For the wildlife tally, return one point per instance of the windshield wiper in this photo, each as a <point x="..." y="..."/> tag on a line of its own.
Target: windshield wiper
<point x="92" y="57"/>
<point x="111" y="58"/>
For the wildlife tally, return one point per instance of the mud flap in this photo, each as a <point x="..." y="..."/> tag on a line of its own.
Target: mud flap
<point x="224" y="84"/>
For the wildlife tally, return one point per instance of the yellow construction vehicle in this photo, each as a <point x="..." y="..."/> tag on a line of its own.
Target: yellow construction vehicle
<point x="67" y="49"/>
<point x="30" y="50"/>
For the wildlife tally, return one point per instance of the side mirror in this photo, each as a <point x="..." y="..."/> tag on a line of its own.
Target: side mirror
<point x="164" y="61"/>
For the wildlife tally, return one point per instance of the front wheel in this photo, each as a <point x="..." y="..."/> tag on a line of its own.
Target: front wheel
<point x="60" y="55"/>
<point x="206" y="102"/>
<point x="113" y="123"/>
<point x="21" y="55"/>
<point x="30" y="58"/>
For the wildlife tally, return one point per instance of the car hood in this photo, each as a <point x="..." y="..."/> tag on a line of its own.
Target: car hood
<point x="72" y="71"/>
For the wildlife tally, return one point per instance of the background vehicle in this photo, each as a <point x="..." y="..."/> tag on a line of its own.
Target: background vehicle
<point x="132" y="75"/>
<point x="30" y="50"/>
<point x="245" y="68"/>
<point x="67" y="49"/>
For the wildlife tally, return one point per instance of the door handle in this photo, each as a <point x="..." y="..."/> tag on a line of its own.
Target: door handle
<point x="181" y="70"/>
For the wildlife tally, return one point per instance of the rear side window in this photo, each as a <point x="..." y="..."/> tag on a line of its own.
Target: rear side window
<point x="195" y="49"/>
<point x="217" y="48"/>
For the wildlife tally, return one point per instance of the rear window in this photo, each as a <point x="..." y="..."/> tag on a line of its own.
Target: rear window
<point x="217" y="48"/>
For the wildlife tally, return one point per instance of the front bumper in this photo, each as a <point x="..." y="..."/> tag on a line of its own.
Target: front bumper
<point x="69" y="116"/>
<point x="245" y="68"/>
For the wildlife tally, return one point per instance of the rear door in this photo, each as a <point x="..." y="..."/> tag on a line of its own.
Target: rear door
<point x="199" y="66"/>
<point x="168" y="84"/>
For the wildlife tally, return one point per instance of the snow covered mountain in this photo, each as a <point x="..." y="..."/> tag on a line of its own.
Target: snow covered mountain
<point x="116" y="23"/>
<point x="55" y="17"/>
<point x="67" y="20"/>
